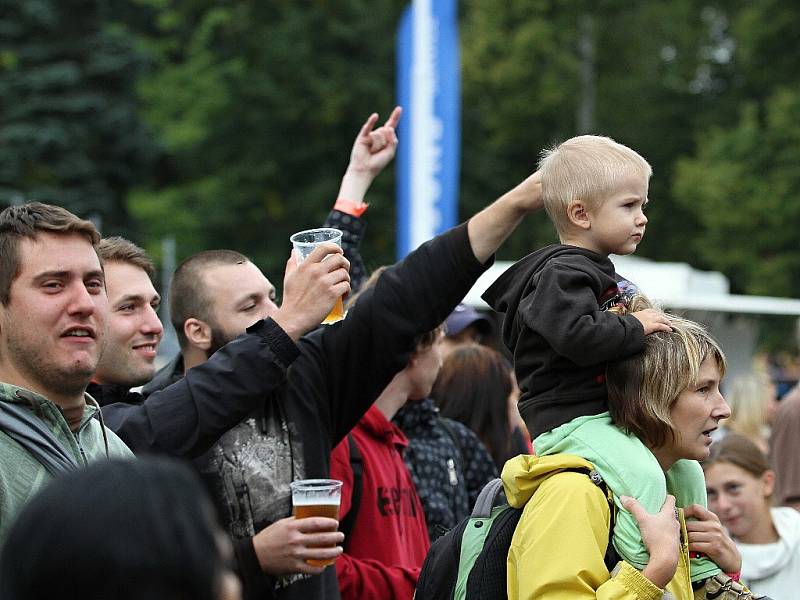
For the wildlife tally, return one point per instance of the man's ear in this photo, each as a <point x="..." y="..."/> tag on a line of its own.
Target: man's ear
<point x="198" y="333"/>
<point x="578" y="215"/>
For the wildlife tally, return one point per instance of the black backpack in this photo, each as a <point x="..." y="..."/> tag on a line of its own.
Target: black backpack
<point x="469" y="561"/>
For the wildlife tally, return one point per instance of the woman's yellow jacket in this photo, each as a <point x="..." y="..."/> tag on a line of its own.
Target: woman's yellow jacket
<point x="559" y="544"/>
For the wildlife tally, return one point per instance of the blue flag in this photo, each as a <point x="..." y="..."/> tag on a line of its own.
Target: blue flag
<point x="428" y="85"/>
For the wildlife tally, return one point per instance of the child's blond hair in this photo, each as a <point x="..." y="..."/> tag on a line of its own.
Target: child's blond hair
<point x="586" y="169"/>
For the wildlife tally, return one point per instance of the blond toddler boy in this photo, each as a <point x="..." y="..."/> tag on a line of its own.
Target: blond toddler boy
<point x="566" y="317"/>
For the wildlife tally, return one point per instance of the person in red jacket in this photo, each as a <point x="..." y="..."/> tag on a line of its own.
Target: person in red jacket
<point x="387" y="544"/>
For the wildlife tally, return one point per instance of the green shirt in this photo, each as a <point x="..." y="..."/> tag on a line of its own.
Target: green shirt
<point x="21" y="475"/>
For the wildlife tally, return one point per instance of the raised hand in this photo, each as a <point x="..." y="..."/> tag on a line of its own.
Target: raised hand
<point x="311" y="288"/>
<point x="530" y="193"/>
<point x="489" y="228"/>
<point x="372" y="151"/>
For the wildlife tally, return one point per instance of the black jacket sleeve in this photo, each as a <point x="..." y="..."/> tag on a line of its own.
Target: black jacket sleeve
<point x="563" y="309"/>
<point x="352" y="232"/>
<point x="186" y="418"/>
<point x="356" y="358"/>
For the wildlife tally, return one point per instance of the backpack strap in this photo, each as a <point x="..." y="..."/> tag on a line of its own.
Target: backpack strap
<point x="611" y="557"/>
<point x="478" y="527"/>
<point x="486" y="499"/>
<point x="488" y="496"/>
<point x="357" y="466"/>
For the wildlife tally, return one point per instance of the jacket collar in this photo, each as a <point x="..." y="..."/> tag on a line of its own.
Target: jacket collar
<point x="375" y="424"/>
<point x="167" y="375"/>
<point x="108" y="393"/>
<point x="42" y="406"/>
<point x="416" y="413"/>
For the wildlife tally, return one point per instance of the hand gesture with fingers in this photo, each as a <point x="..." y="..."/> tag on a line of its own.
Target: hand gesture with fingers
<point x="707" y="535"/>
<point x="373" y="150"/>
<point x="284" y="547"/>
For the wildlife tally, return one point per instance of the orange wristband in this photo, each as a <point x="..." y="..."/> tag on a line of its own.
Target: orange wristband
<point x="349" y="207"/>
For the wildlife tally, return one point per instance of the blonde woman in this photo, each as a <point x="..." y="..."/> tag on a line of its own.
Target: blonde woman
<point x="668" y="399"/>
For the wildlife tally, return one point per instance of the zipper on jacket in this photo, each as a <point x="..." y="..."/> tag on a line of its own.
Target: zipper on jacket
<point x="451" y="471"/>
<point x="80" y="447"/>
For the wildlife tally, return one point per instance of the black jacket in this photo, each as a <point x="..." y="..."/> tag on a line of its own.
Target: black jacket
<point x="448" y="462"/>
<point x="187" y="418"/>
<point x="341" y="369"/>
<point x="561" y="333"/>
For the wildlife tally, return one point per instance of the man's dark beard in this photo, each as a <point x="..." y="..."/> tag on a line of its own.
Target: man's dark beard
<point x="218" y="340"/>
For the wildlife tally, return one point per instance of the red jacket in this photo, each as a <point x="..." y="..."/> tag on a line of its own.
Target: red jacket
<point x="389" y="539"/>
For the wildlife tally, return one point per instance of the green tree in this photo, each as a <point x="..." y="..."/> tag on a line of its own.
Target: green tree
<point x="741" y="183"/>
<point x="70" y="132"/>
<point x="660" y="70"/>
<point x="743" y="187"/>
<point x="257" y="104"/>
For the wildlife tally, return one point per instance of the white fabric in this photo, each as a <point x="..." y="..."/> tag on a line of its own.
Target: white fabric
<point x="774" y="569"/>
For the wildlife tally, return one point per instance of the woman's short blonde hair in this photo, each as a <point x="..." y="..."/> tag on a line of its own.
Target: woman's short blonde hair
<point x="586" y="169"/>
<point x="643" y="388"/>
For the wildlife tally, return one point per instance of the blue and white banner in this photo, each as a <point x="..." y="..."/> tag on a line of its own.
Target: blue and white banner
<point x="428" y="86"/>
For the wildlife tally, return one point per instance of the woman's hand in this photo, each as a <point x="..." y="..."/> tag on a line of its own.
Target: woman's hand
<point x="707" y="535"/>
<point x="661" y="535"/>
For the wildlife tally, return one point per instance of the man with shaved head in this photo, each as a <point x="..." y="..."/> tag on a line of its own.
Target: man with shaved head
<point x="186" y="418"/>
<point x="340" y="370"/>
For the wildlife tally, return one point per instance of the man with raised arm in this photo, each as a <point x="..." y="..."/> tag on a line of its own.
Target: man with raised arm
<point x="341" y="369"/>
<point x="187" y="418"/>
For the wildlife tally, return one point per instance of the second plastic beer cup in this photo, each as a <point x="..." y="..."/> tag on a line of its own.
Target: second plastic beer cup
<point x="316" y="498"/>
<point x="305" y="242"/>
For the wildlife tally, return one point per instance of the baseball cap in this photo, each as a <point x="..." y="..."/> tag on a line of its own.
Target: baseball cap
<point x="463" y="316"/>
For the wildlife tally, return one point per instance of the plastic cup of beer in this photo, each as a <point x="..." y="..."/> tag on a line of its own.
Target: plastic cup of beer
<point x="305" y="242"/>
<point x="316" y="498"/>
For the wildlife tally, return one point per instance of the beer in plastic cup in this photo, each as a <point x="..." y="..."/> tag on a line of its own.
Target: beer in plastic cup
<point x="305" y="242"/>
<point x="316" y="498"/>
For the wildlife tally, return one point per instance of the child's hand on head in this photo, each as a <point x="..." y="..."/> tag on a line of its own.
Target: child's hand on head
<point x="652" y="320"/>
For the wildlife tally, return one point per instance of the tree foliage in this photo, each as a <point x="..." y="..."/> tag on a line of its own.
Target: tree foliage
<point x="741" y="184"/>
<point x="251" y="106"/>
<point x="70" y="132"/>
<point x="258" y="104"/>
<point x="659" y="68"/>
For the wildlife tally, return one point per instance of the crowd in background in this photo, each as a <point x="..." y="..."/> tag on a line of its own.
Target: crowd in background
<point x="411" y="401"/>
